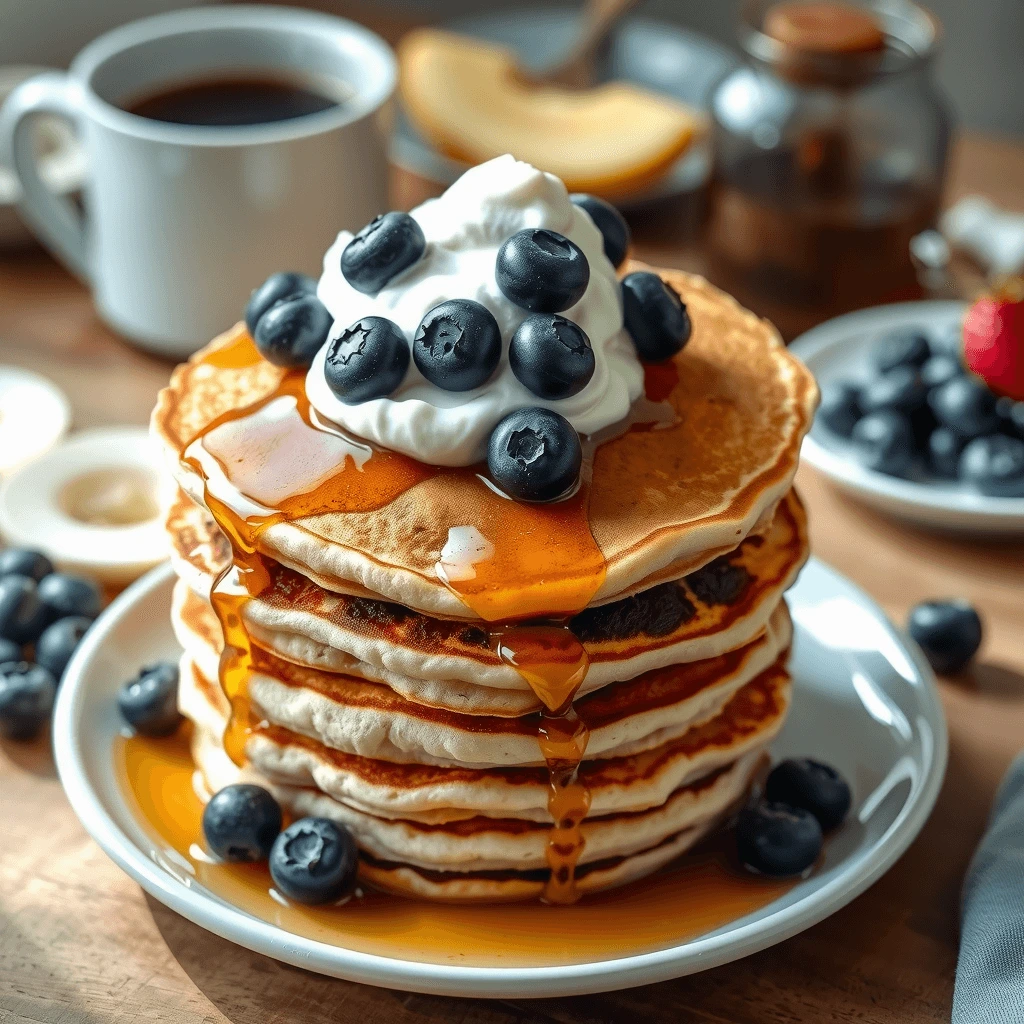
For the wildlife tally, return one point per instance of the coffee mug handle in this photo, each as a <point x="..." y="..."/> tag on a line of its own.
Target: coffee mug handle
<point x="55" y="219"/>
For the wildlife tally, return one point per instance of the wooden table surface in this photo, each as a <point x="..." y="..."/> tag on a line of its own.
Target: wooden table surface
<point x="80" y="942"/>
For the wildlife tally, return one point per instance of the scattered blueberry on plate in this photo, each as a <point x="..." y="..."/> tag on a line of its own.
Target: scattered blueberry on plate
<point x="62" y="594"/>
<point x="24" y="562"/>
<point x="612" y="225"/>
<point x="457" y="345"/>
<point x="26" y="699"/>
<point x="902" y="346"/>
<point x="241" y="822"/>
<point x="367" y="360"/>
<point x="149" y="702"/>
<point x="811" y="785"/>
<point x="551" y="356"/>
<point x="840" y="407"/>
<point x="886" y="442"/>
<point x="22" y="614"/>
<point x="389" y="244"/>
<point x="534" y="454"/>
<point x="314" y="861"/>
<point x="948" y="632"/>
<point x="541" y="270"/>
<point x="995" y="465"/>
<point x="777" y="839"/>
<point x="655" y="316"/>
<point x="59" y="641"/>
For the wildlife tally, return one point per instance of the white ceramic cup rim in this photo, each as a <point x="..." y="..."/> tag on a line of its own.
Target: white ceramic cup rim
<point x="374" y="87"/>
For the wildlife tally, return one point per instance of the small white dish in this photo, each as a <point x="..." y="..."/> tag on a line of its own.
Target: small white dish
<point x="841" y="349"/>
<point x="34" y="415"/>
<point x="91" y="503"/>
<point x="863" y="700"/>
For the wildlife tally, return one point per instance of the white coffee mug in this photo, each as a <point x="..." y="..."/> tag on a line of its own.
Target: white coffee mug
<point x="181" y="221"/>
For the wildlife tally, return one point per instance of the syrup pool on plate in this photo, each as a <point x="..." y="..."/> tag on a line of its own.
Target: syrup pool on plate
<point x="702" y="891"/>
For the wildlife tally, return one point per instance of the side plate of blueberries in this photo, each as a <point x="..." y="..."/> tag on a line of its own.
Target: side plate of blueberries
<point x="907" y="427"/>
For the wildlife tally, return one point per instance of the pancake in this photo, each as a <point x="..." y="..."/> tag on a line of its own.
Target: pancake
<point x="427" y="793"/>
<point x="722" y="606"/>
<point x="367" y="718"/>
<point x="676" y="496"/>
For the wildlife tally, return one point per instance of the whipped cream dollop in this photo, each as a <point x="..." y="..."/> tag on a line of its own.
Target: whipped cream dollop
<point x="464" y="229"/>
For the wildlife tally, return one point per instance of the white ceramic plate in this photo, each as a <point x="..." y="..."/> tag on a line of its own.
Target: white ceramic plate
<point x="840" y="349"/>
<point x="863" y="700"/>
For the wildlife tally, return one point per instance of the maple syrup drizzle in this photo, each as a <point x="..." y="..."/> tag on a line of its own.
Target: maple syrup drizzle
<point x="548" y="550"/>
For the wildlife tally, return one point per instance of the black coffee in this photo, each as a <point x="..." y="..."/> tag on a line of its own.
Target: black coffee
<point x="225" y="101"/>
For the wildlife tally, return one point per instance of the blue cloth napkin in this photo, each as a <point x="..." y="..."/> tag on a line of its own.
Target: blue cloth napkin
<point x="990" y="971"/>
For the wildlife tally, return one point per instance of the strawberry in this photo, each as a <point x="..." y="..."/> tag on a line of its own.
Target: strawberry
<point x="994" y="339"/>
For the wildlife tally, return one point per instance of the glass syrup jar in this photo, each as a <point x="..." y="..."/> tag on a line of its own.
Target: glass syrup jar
<point x="830" y="154"/>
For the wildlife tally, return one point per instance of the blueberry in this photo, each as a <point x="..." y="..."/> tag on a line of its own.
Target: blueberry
<point x="291" y="332"/>
<point x="993" y="464"/>
<point x="9" y="651"/>
<point x="64" y="595"/>
<point x="904" y="346"/>
<point x="840" y="407"/>
<point x="777" y="839"/>
<point x="59" y="641"/>
<point x="387" y="245"/>
<point x="314" y="861"/>
<point x="612" y="225"/>
<point x="940" y="369"/>
<point x="26" y="699"/>
<point x="899" y="390"/>
<point x="541" y="271"/>
<point x="816" y="787"/>
<point x="22" y="614"/>
<point x="948" y="632"/>
<point x="367" y="360"/>
<point x="241" y="822"/>
<point x="944" y="448"/>
<point x="655" y="316"/>
<point x="551" y="356"/>
<point x="24" y="562"/>
<point x="1010" y="414"/>
<point x="885" y="442"/>
<point x="965" y="406"/>
<point x="275" y="289"/>
<point x="149" y="702"/>
<point x="534" y="455"/>
<point x="457" y="345"/>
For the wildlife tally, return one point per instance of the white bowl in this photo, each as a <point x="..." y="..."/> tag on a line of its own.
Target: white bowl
<point x="841" y="349"/>
<point x="863" y="700"/>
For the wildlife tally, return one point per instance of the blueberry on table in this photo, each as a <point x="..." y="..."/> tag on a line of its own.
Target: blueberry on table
<point x="777" y="839"/>
<point x="939" y="369"/>
<point x="275" y="289"/>
<point x="948" y="632"/>
<point x="840" y="407"/>
<point x="26" y="699"/>
<point x="655" y="316"/>
<point x="612" y="225"/>
<point x="241" y="822"/>
<point x="457" y="345"/>
<point x="291" y="332"/>
<point x="899" y="390"/>
<point x="387" y="245"/>
<point x="551" y="356"/>
<point x="22" y="614"/>
<point x="149" y="702"/>
<point x="903" y="346"/>
<point x="24" y="562"/>
<point x="944" y="448"/>
<point x="816" y="787"/>
<point x="993" y="464"/>
<point x="885" y="442"/>
<point x="367" y="360"/>
<point x="965" y="406"/>
<point x="534" y="455"/>
<point x="59" y="641"/>
<point x="541" y="271"/>
<point x="314" y="861"/>
<point x="63" y="595"/>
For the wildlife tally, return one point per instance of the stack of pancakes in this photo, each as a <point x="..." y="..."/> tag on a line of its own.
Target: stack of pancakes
<point x="378" y="693"/>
